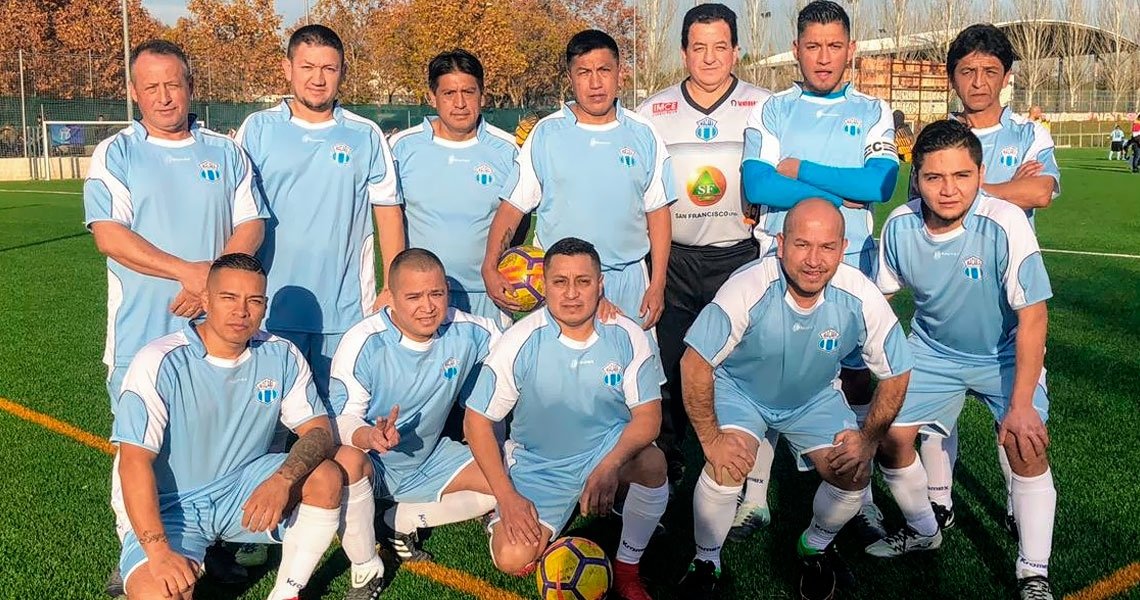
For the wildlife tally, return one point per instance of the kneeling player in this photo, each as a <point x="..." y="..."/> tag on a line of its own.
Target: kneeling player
<point x="586" y="401"/>
<point x="194" y="424"/>
<point x="766" y="355"/>
<point x="395" y="377"/>
<point x="979" y="325"/>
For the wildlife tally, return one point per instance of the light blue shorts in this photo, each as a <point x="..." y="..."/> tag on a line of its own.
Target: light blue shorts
<point x="480" y="304"/>
<point x="318" y="350"/>
<point x="626" y="287"/>
<point x="193" y="522"/>
<point x="427" y="481"/>
<point x="807" y="428"/>
<point x="938" y="386"/>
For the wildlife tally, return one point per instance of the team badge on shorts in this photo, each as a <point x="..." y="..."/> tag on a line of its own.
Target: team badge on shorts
<point x="342" y="153"/>
<point x="706" y="129"/>
<point x="267" y="391"/>
<point x="450" y="368"/>
<point x="210" y="171"/>
<point x="484" y="174"/>
<point x="852" y="127"/>
<point x="627" y="156"/>
<point x="972" y="268"/>
<point x="829" y="341"/>
<point x="611" y="374"/>
<point x="1008" y="156"/>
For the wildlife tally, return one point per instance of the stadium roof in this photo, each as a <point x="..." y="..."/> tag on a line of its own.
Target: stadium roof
<point x="929" y="45"/>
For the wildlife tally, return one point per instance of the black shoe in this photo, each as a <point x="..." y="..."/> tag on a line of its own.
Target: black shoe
<point x="944" y="516"/>
<point x="675" y="470"/>
<point x="1034" y="588"/>
<point x="701" y="582"/>
<point x="115" y="583"/>
<point x="221" y="566"/>
<point x="844" y="578"/>
<point x="817" y="578"/>
<point x="407" y="547"/>
<point x="1011" y="525"/>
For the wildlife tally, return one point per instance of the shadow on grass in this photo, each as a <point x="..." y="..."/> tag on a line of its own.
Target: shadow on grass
<point x="42" y="242"/>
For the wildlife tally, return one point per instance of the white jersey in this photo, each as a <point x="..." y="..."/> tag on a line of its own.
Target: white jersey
<point x="706" y="146"/>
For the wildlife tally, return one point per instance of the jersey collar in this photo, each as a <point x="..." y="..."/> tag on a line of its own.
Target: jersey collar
<point x="336" y="117"/>
<point x="404" y="340"/>
<point x="791" y="302"/>
<point x="196" y="344"/>
<point x="566" y="341"/>
<point x="835" y="97"/>
<point x="192" y="126"/>
<point x="430" y="132"/>
<point x="961" y="229"/>
<point x="1003" y="121"/>
<point x="619" y="117"/>
<point x="715" y="105"/>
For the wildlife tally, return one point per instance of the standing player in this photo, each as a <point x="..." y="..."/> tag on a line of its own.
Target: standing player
<point x="584" y="397"/>
<point x="1117" y="147"/>
<point x="702" y="122"/>
<point x="194" y="426"/>
<point x="451" y="169"/>
<point x="596" y="171"/>
<point x="957" y="247"/>
<point x="766" y="355"/>
<point x="395" y="378"/>
<point x="322" y="167"/>
<point x="822" y="139"/>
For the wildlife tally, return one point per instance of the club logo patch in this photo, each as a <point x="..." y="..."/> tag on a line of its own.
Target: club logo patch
<point x="210" y="171"/>
<point x="706" y="186"/>
<point x="1008" y="156"/>
<point x="342" y="154"/>
<point x="450" y="368"/>
<point x="706" y="129"/>
<point x="611" y="374"/>
<point x="484" y="174"/>
<point x="627" y="156"/>
<point x="972" y="268"/>
<point x="267" y="391"/>
<point x="829" y="341"/>
<point x="852" y="127"/>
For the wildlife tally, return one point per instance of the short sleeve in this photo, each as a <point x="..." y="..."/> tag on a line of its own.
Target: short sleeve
<point x="880" y="139"/>
<point x="888" y="278"/>
<point x="105" y="193"/>
<point x="300" y="403"/>
<point x="247" y="201"/>
<point x="522" y="187"/>
<point x="643" y="376"/>
<point x="661" y="191"/>
<point x="760" y="141"/>
<point x="721" y="324"/>
<point x="496" y="392"/>
<point x="382" y="177"/>
<point x="1025" y="279"/>
<point x="885" y="348"/>
<point x="141" y="413"/>
<point x="1042" y="150"/>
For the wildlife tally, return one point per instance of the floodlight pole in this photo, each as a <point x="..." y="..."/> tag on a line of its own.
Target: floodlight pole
<point x="127" y="61"/>
<point x="23" y="108"/>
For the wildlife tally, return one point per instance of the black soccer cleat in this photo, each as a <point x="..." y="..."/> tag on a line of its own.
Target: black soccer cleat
<point x="944" y="516"/>
<point x="701" y="582"/>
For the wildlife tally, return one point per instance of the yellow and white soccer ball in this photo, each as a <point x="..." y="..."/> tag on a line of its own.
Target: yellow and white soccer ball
<point x="573" y="568"/>
<point x="523" y="268"/>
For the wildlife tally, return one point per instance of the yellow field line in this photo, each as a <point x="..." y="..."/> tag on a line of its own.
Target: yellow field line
<point x="1113" y="585"/>
<point x="452" y="578"/>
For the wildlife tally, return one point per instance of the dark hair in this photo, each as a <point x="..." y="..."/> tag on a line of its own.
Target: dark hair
<point x="414" y="258"/>
<point x="238" y="261"/>
<point x="708" y="13"/>
<point x="315" y="35"/>
<point x="162" y="48"/>
<point x="573" y="246"/>
<point x="983" y="38"/>
<point x="944" y="134"/>
<point x="822" y="12"/>
<point x="588" y="41"/>
<point x="454" y="61"/>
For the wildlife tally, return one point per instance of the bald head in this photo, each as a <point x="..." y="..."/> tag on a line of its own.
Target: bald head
<point x="814" y="213"/>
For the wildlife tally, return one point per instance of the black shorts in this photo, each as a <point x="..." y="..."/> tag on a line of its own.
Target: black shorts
<point x="1117" y="146"/>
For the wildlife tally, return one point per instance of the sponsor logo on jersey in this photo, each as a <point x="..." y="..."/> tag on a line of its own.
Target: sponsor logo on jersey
<point x="664" y="108"/>
<point x="819" y="114"/>
<point x="627" y="156"/>
<point x="267" y="391"/>
<point x="1008" y="156"/>
<point x="308" y="139"/>
<point x="829" y="341"/>
<point x="852" y="126"/>
<point x="342" y="153"/>
<point x="706" y="186"/>
<point x="797" y="327"/>
<point x="744" y="103"/>
<point x="611" y="374"/>
<point x="450" y="368"/>
<point x="972" y="268"/>
<point x="210" y="171"/>
<point x="706" y="129"/>
<point x="484" y="174"/>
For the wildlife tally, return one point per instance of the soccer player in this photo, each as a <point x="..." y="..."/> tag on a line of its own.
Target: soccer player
<point x="957" y="247"/>
<point x="585" y="401"/>
<point x="451" y="168"/>
<point x="702" y="122"/>
<point x="194" y="425"/>
<point x="766" y="354"/>
<point x="322" y="167"/>
<point x="395" y="378"/>
<point x="823" y="139"/>
<point x="1117" y="147"/>
<point x="595" y="171"/>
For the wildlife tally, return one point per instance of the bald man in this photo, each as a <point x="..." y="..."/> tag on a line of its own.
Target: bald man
<point x="765" y="355"/>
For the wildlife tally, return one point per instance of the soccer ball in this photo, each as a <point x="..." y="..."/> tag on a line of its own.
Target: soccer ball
<point x="522" y="266"/>
<point x="573" y="568"/>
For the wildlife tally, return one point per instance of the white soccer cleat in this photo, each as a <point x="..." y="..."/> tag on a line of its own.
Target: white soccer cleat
<point x="749" y="518"/>
<point x="904" y="541"/>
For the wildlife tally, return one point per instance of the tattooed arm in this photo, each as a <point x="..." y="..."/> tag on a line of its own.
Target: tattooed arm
<point x="266" y="505"/>
<point x="503" y="227"/>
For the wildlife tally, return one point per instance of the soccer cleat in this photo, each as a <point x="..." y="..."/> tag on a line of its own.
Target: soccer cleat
<point x="944" y="516"/>
<point x="221" y="566"/>
<point x="701" y="582"/>
<point x="844" y="578"/>
<point x="904" y="541"/>
<point x="251" y="555"/>
<point x="407" y="546"/>
<point x="1011" y="524"/>
<point x="114" y="584"/>
<point x="749" y="518"/>
<point x="627" y="583"/>
<point x="869" y="523"/>
<point x="368" y="588"/>
<point x="817" y="578"/>
<point x="1034" y="588"/>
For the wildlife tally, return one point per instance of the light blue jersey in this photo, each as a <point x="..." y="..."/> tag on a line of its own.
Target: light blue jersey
<point x="450" y="191"/>
<point x="205" y="417"/>
<point x="1014" y="140"/>
<point x="376" y="367"/>
<point x="968" y="283"/>
<point x="569" y="398"/>
<point x="844" y="129"/>
<point x="594" y="182"/>
<point x="778" y="355"/>
<point x="185" y="197"/>
<point x="320" y="180"/>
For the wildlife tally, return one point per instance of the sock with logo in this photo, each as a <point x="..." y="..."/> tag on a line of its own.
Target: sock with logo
<point x="938" y="456"/>
<point x="756" y="485"/>
<point x="714" y="508"/>
<point x="832" y="508"/>
<point x="908" y="486"/>
<point x="639" y="517"/>
<point x="303" y="546"/>
<point x="358" y="533"/>
<point x="406" y="517"/>
<point x="1035" y="506"/>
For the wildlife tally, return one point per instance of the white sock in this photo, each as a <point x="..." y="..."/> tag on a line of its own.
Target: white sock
<point x="832" y="508"/>
<point x="756" y="485"/>
<point x="714" y="508"/>
<point x="305" y="543"/>
<point x="1035" y="506"/>
<point x="938" y="455"/>
<point x="358" y="533"/>
<point x="1007" y="474"/>
<point x="908" y="486"/>
<point x="406" y="517"/>
<point x="643" y="509"/>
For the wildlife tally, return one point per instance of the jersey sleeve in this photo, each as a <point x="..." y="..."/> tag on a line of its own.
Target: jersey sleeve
<point x="721" y="324"/>
<point x="350" y="384"/>
<point x="885" y="348"/>
<point x="760" y="140"/>
<point x="661" y="191"/>
<point x="1025" y="280"/>
<point x="496" y="391"/>
<point x="105" y="193"/>
<point x="880" y="139"/>
<point x="141" y="413"/>
<point x="300" y="402"/>
<point x="1042" y="150"/>
<point x="644" y="375"/>
<point x="381" y="173"/>
<point x="888" y="278"/>
<point x="247" y="201"/>
<point x="522" y="188"/>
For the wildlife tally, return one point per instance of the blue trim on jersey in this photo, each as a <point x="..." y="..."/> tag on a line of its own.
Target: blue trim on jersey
<point x="838" y="93"/>
<point x="764" y="185"/>
<point x="873" y="182"/>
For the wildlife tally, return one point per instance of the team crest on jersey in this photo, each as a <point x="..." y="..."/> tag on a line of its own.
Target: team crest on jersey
<point x="611" y="374"/>
<point x="267" y="391"/>
<point x="484" y="174"/>
<point x="706" y="129"/>
<point x="852" y="127"/>
<point x="1008" y="156"/>
<point x="342" y="154"/>
<point x="972" y="268"/>
<point x="450" y="368"/>
<point x="627" y="156"/>
<point x="706" y="186"/>
<point x="829" y="341"/>
<point x="210" y="171"/>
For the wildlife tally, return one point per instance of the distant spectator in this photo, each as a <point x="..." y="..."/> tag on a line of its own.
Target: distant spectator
<point x="904" y="135"/>
<point x="1038" y="116"/>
